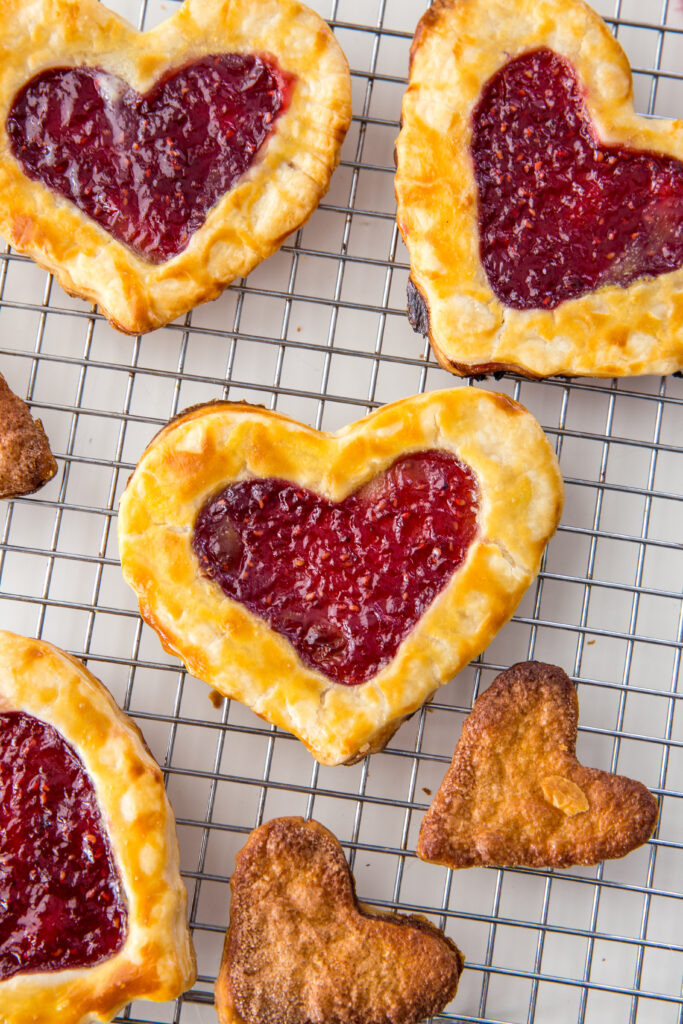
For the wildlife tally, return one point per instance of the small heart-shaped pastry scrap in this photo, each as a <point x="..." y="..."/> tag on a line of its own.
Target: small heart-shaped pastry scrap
<point x="544" y="218"/>
<point x="300" y="950"/>
<point x="333" y="581"/>
<point x="92" y="906"/>
<point x="26" y="462"/>
<point x="148" y="170"/>
<point x="515" y="793"/>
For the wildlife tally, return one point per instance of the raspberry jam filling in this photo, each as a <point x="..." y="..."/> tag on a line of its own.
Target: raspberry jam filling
<point x="559" y="213"/>
<point x="346" y="582"/>
<point x="148" y="168"/>
<point x="61" y="903"/>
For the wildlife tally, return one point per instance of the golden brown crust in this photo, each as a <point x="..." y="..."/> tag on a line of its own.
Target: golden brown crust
<point x="612" y="331"/>
<point x="274" y="197"/>
<point x="515" y="793"/>
<point x="26" y="462"/>
<point x="157" y="960"/>
<point x="203" y="451"/>
<point x="300" y="950"/>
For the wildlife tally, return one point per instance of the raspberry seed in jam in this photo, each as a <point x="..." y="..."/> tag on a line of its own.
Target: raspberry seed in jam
<point x="344" y="582"/>
<point x="61" y="904"/>
<point x="559" y="213"/>
<point x="148" y="168"/>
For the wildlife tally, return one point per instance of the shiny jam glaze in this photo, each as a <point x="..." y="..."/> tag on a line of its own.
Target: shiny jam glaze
<point x="346" y="582"/>
<point x="61" y="904"/>
<point x="148" y="168"/>
<point x="560" y="214"/>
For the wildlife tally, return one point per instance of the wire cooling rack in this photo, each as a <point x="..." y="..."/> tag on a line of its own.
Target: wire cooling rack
<point x="320" y="332"/>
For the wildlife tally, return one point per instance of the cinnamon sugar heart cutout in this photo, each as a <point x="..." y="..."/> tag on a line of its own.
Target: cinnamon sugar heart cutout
<point x="515" y="793"/>
<point x="92" y="905"/>
<point x="300" y="948"/>
<point x="26" y="462"/>
<point x="147" y="170"/>
<point x="61" y="902"/>
<point x="333" y="581"/>
<point x="544" y="218"/>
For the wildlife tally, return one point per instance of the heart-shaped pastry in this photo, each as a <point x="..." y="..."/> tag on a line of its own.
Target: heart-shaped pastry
<point x="300" y="948"/>
<point x="515" y="793"/>
<point x="92" y="906"/>
<point x="544" y="218"/>
<point x="333" y="581"/>
<point x="148" y="170"/>
<point x="26" y="462"/>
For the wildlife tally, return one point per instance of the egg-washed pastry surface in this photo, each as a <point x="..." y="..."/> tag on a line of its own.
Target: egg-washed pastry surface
<point x="544" y="218"/>
<point x="301" y="949"/>
<point x="92" y="906"/>
<point x="515" y="793"/>
<point x="333" y="581"/>
<point x="148" y="170"/>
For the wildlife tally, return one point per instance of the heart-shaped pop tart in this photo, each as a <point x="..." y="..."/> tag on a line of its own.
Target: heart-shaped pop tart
<point x="26" y="462"/>
<point x="300" y="948"/>
<point x="515" y="793"/>
<point x="148" y="170"/>
<point x="333" y="581"/>
<point x="92" y="906"/>
<point x="544" y="218"/>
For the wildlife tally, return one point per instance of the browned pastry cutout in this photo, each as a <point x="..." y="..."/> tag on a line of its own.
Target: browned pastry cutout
<point x="515" y="793"/>
<point x="26" y="462"/>
<point x="300" y="950"/>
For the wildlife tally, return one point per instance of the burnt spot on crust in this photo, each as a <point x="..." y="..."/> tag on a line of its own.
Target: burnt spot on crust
<point x="418" y="316"/>
<point x="418" y="313"/>
<point x="480" y="371"/>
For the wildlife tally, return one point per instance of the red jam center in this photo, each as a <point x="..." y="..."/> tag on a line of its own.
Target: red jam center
<point x="61" y="904"/>
<point x="148" y="168"/>
<point x="560" y="214"/>
<point x="344" y="583"/>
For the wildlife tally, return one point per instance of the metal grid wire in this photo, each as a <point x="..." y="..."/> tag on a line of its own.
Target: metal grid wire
<point x="319" y="332"/>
